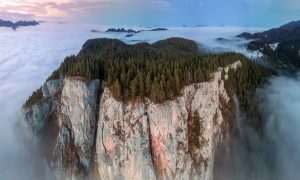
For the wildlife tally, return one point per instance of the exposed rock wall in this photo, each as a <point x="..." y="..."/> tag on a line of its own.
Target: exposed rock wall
<point x="64" y="125"/>
<point x="86" y="133"/>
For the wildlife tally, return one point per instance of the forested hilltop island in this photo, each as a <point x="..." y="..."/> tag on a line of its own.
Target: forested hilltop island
<point x="281" y="45"/>
<point x="143" y="111"/>
<point x="157" y="71"/>
<point x="17" y="24"/>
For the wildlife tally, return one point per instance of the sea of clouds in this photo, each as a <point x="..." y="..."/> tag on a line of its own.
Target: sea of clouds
<point x="274" y="154"/>
<point x="29" y="55"/>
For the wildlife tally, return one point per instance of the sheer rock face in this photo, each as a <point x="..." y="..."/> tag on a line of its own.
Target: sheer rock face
<point x="64" y="125"/>
<point x="88" y="134"/>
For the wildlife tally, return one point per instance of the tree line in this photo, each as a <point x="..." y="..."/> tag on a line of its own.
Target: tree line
<point x="156" y="71"/>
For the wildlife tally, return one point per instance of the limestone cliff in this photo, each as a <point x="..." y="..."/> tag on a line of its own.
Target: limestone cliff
<point x="86" y="133"/>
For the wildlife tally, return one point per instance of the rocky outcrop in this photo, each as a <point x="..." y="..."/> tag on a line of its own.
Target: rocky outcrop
<point x="86" y="133"/>
<point x="64" y="125"/>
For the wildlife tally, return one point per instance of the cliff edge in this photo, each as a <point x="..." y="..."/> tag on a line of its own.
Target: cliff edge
<point x="86" y="133"/>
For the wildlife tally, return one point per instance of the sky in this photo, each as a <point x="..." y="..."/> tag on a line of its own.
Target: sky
<point x="255" y="13"/>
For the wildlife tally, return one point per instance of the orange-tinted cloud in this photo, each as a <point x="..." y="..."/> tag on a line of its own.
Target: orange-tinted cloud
<point x="47" y="9"/>
<point x="54" y="9"/>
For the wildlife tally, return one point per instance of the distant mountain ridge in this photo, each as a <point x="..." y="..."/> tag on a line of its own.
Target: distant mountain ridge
<point x="289" y="31"/>
<point x="281" y="45"/>
<point x="130" y="32"/>
<point x="123" y="30"/>
<point x="17" y="24"/>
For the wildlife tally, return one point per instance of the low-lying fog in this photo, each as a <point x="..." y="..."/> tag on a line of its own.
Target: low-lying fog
<point x="276" y="156"/>
<point x="281" y="103"/>
<point x="29" y="55"/>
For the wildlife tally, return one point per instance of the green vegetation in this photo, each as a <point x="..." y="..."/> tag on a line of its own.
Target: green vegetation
<point x="132" y="72"/>
<point x="289" y="53"/>
<point x="158" y="71"/>
<point x="35" y="98"/>
<point x="243" y="83"/>
<point x="286" y="56"/>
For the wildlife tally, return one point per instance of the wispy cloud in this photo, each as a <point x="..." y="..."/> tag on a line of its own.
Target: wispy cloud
<point x="47" y="9"/>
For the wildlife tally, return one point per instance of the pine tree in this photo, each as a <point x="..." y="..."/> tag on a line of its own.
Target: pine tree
<point x="134" y="88"/>
<point x="148" y="84"/>
<point x="177" y="82"/>
<point x="116" y="89"/>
